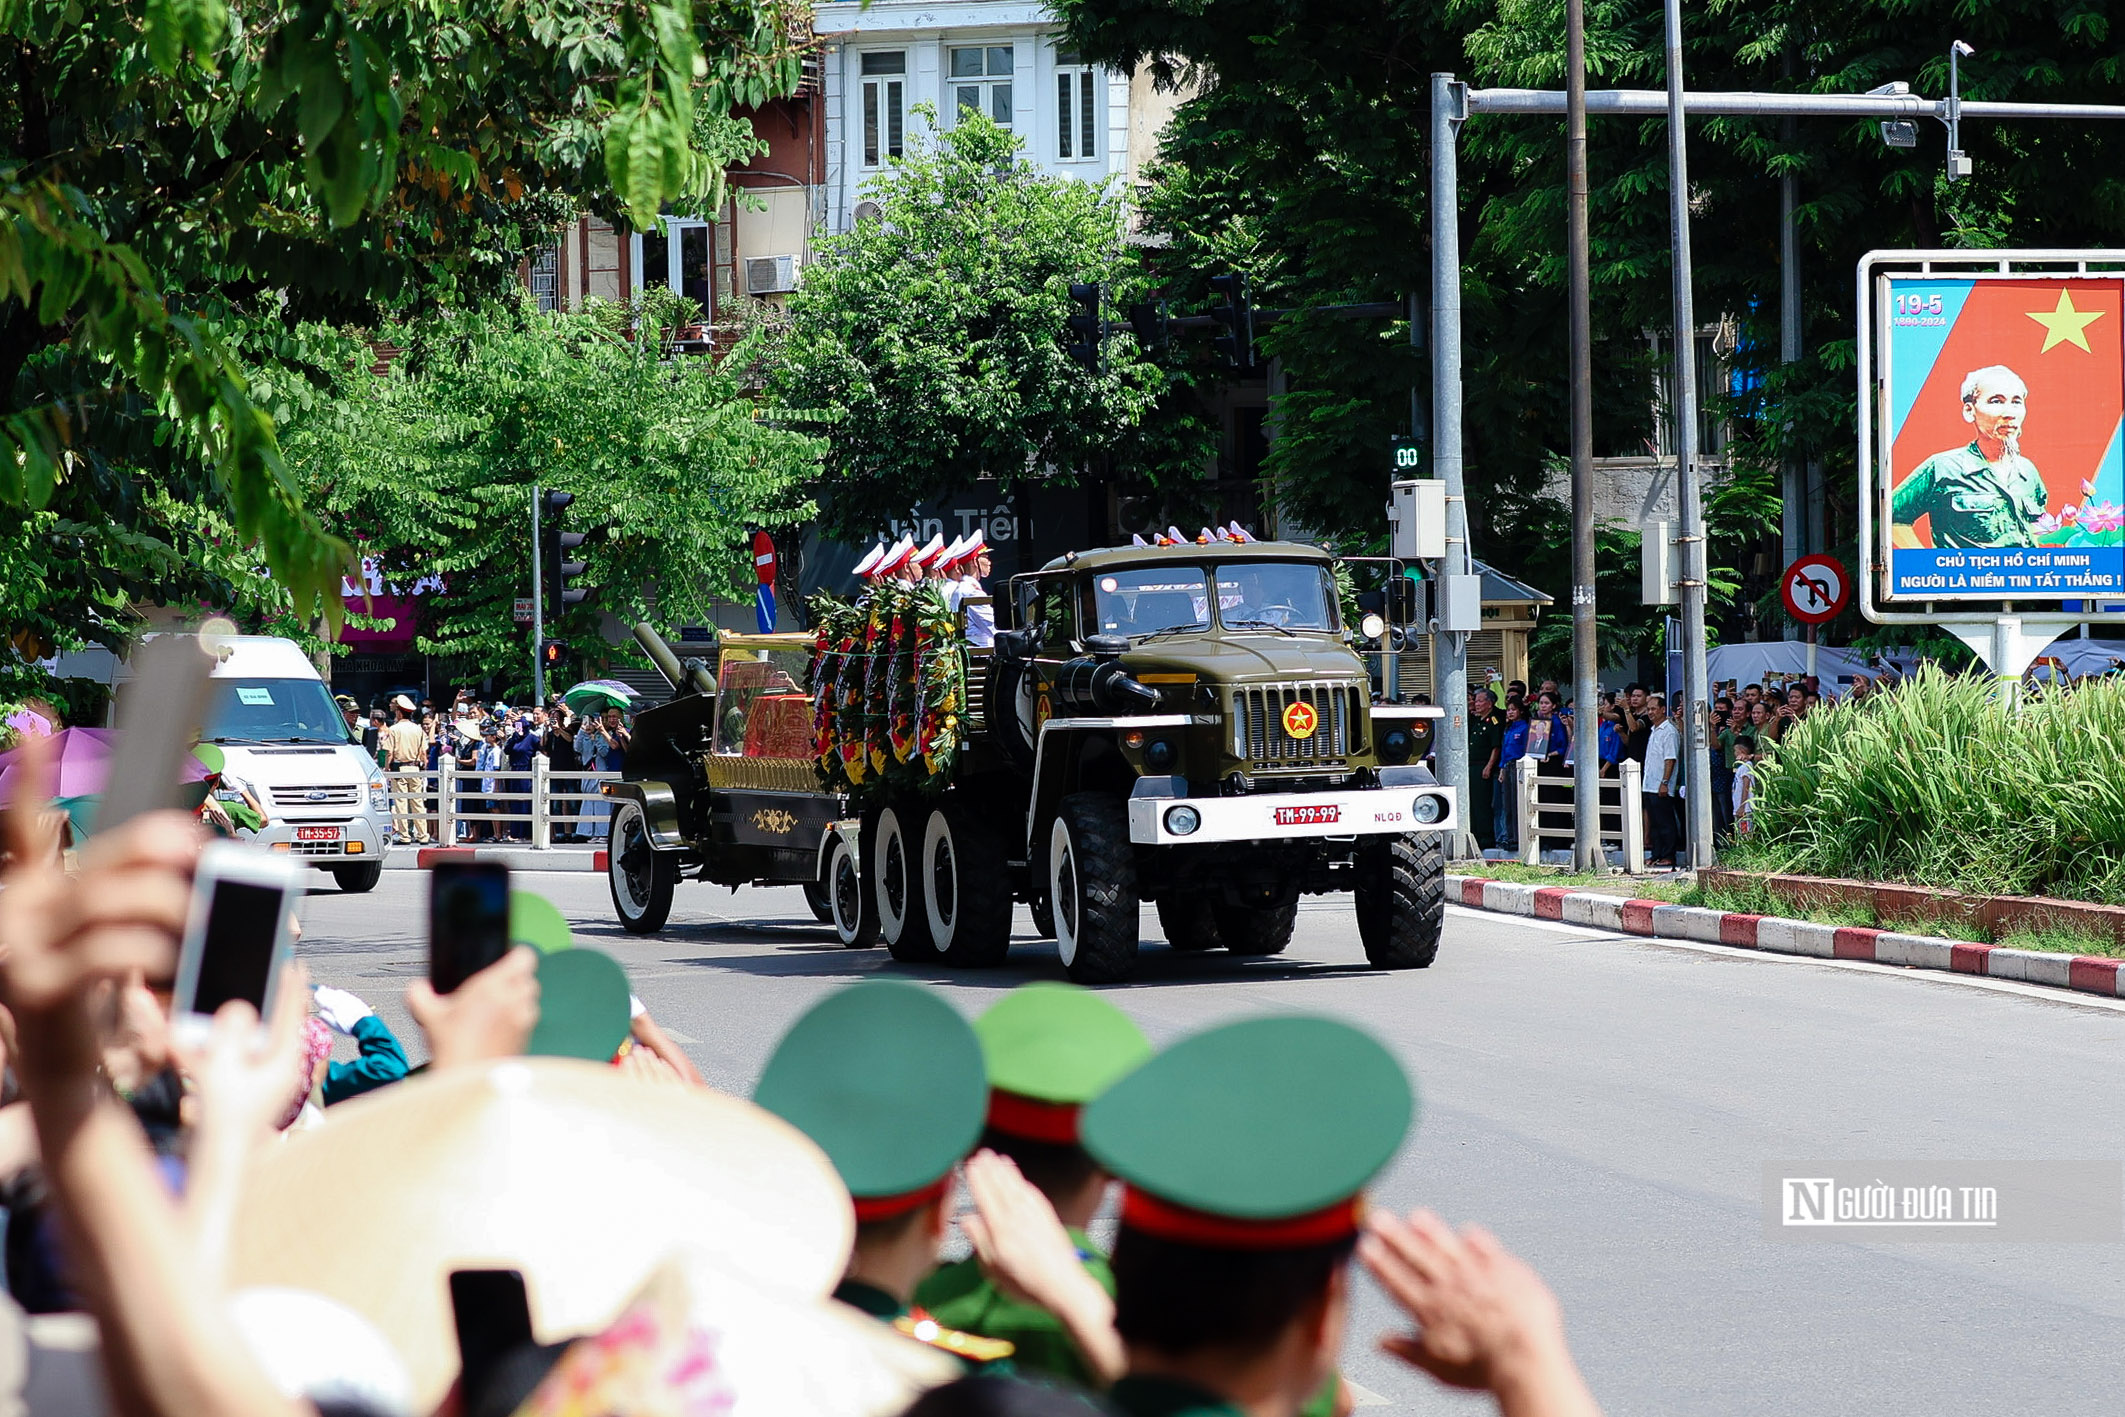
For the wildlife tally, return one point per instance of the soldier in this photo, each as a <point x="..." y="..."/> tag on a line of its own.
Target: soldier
<point x="868" y="566"/>
<point x="1244" y="1152"/>
<point x="888" y="1080"/>
<point x="975" y="566"/>
<point x="949" y="562"/>
<point x="1050" y="1049"/>
<point x="1985" y="494"/>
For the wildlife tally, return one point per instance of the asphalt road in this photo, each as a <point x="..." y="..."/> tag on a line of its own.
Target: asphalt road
<point x="1605" y="1104"/>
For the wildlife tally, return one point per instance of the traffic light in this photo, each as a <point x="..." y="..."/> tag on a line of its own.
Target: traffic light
<point x="1087" y="326"/>
<point x="554" y="655"/>
<point x="1237" y="316"/>
<point x="1148" y="319"/>
<point x="559" y="569"/>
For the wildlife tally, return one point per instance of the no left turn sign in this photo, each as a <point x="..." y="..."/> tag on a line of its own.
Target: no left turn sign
<point x="1815" y="589"/>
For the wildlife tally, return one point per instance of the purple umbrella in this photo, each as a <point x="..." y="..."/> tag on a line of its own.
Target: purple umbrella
<point x="83" y="760"/>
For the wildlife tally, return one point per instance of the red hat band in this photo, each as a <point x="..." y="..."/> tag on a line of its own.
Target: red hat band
<point x="886" y="1207"/>
<point x="1143" y="1211"/>
<point x="1034" y="1120"/>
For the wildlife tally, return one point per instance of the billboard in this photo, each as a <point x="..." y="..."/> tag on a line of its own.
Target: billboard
<point x="2002" y="398"/>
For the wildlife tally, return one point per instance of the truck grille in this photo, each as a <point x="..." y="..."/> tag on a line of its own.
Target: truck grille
<point x="1259" y="735"/>
<point x="333" y="795"/>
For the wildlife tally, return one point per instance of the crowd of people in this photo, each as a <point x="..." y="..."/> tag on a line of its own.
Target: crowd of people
<point x="1509" y="727"/>
<point x="169" y="1174"/>
<point x="492" y="748"/>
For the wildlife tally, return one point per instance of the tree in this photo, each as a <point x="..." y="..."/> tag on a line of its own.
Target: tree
<point x="1302" y="158"/>
<point x="174" y="166"/>
<point x="935" y="333"/>
<point x="429" y="467"/>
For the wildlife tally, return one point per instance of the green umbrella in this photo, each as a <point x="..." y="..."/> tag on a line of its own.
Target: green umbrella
<point x="598" y="695"/>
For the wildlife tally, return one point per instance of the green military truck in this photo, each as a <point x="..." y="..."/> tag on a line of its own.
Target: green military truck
<point x="1188" y="725"/>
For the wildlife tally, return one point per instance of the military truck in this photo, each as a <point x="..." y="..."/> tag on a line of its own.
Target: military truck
<point x="718" y="782"/>
<point x="1189" y="725"/>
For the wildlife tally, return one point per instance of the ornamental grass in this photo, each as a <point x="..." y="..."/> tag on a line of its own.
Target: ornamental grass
<point x="1952" y="781"/>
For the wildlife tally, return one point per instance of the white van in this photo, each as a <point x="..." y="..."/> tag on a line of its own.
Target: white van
<point x="284" y="739"/>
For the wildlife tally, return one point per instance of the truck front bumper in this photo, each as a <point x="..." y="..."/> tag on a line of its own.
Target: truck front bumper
<point x="1295" y="816"/>
<point x="340" y="841"/>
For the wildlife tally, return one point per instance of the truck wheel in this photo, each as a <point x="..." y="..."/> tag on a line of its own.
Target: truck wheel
<point x="354" y="880"/>
<point x="1041" y="908"/>
<point x="897" y="888"/>
<point x="1188" y="923"/>
<point x="642" y="880"/>
<point x="1092" y="881"/>
<point x="816" y="902"/>
<point x="1401" y="900"/>
<point x="851" y="909"/>
<point x="1255" y="929"/>
<point x="966" y="888"/>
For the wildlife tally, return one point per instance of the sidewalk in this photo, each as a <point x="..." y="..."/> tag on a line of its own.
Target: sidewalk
<point x="516" y="858"/>
<point x="2088" y="974"/>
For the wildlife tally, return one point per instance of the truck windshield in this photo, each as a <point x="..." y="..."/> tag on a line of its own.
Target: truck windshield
<point x="272" y="711"/>
<point x="1150" y="599"/>
<point x="1283" y="595"/>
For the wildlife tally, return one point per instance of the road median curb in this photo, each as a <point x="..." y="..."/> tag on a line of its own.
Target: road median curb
<point x="1659" y="919"/>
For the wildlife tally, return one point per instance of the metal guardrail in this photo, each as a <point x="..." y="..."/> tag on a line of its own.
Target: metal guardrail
<point x="547" y="807"/>
<point x="1619" y="804"/>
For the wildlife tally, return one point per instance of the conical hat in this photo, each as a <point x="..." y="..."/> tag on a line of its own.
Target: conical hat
<point x="695" y="1339"/>
<point x="580" y="1175"/>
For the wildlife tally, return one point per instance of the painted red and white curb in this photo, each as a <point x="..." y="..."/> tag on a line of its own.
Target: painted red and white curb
<point x="1774" y="935"/>
<point x="516" y="858"/>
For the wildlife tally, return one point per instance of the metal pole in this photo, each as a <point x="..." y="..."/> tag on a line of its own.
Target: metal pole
<point x="1586" y="719"/>
<point x="1697" y="751"/>
<point x="1793" y="519"/>
<point x="1449" y="651"/>
<point x="538" y="609"/>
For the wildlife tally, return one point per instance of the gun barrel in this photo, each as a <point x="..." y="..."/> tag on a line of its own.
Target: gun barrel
<point x="660" y="655"/>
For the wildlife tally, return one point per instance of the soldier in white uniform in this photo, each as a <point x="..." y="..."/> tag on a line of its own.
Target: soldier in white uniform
<point x="974" y="564"/>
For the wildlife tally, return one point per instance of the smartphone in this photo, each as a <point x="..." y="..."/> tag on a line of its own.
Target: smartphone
<point x="239" y="934"/>
<point x="493" y="1318"/>
<point x="468" y="920"/>
<point x="159" y="714"/>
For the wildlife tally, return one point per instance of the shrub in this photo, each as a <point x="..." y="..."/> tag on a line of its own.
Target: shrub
<point x="1952" y="781"/>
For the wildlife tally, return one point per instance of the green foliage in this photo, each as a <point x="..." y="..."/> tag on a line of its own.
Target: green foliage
<point x="1947" y="780"/>
<point x="1301" y="158"/>
<point x="176" y="170"/>
<point x="936" y="333"/>
<point x="429" y="468"/>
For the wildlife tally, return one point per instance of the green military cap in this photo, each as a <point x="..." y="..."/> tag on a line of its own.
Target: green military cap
<point x="1256" y="1135"/>
<point x="1050" y="1049"/>
<point x="887" y="1078"/>
<point x="538" y="922"/>
<point x="583" y="1006"/>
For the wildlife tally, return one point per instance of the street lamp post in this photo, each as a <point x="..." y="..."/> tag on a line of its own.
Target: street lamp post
<point x="1586" y="727"/>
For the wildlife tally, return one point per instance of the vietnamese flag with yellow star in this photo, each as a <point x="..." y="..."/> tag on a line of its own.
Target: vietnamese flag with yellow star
<point x="2065" y="338"/>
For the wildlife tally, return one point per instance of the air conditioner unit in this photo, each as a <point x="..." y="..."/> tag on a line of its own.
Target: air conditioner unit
<point x="770" y="275"/>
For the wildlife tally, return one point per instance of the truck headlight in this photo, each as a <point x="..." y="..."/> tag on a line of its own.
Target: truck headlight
<point x="1158" y="753"/>
<point x="1395" y="746"/>
<point x="1182" y="821"/>
<point x="1428" y="809"/>
<point x="379" y="795"/>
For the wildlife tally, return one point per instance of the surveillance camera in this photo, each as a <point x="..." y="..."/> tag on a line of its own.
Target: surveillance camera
<point x="1896" y="88"/>
<point x="1900" y="133"/>
<point x="1963" y="49"/>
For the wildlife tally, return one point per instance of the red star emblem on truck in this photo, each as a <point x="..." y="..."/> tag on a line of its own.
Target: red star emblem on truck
<point x="1300" y="720"/>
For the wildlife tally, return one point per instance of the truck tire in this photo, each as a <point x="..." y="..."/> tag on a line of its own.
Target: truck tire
<point x="966" y="887"/>
<point x="1043" y="912"/>
<point x="1188" y="922"/>
<point x="815" y="900"/>
<point x="851" y="910"/>
<point x="641" y="880"/>
<point x="355" y="880"/>
<point x="897" y="888"/>
<point x="1401" y="899"/>
<point x="1092" y="880"/>
<point x="1255" y="929"/>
